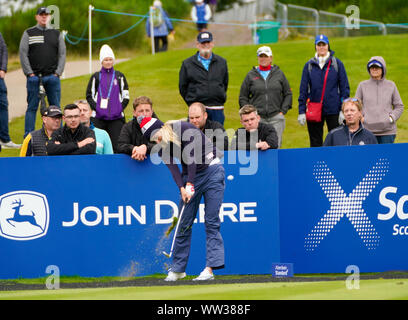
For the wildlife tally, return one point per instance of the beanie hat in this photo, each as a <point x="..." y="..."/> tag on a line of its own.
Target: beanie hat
<point x="106" y="52"/>
<point x="148" y="125"/>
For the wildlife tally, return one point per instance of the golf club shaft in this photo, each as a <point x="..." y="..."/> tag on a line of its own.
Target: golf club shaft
<point x="175" y="232"/>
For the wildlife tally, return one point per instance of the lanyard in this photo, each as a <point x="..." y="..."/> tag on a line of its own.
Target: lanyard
<point x="110" y="87"/>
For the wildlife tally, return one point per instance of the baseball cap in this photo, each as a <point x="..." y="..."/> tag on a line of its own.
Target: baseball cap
<point x="321" y="38"/>
<point x="264" y="50"/>
<point x="375" y="63"/>
<point x="42" y="10"/>
<point x="52" y="111"/>
<point x="204" y="36"/>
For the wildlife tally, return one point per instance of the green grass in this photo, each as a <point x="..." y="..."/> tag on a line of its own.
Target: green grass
<point x="157" y="77"/>
<point x="332" y="290"/>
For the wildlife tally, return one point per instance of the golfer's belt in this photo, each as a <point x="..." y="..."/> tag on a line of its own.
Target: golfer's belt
<point x="215" y="107"/>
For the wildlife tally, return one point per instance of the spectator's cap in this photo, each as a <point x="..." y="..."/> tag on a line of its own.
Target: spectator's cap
<point x="205" y="36"/>
<point x="148" y="125"/>
<point x="375" y="63"/>
<point x="106" y="52"/>
<point x="157" y="3"/>
<point x="321" y="38"/>
<point x="43" y="10"/>
<point x="264" y="50"/>
<point x="52" y="111"/>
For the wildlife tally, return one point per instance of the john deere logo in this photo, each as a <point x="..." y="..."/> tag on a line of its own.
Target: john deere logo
<point x="24" y="215"/>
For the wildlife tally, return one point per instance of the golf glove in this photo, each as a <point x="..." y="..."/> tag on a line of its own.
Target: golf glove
<point x="341" y="118"/>
<point x="190" y="189"/>
<point x="302" y="119"/>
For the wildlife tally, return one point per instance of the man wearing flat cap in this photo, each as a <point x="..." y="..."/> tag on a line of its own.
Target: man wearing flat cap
<point x="42" y="54"/>
<point x="204" y="78"/>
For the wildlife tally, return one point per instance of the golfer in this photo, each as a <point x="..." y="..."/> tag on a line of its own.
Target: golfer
<point x="202" y="176"/>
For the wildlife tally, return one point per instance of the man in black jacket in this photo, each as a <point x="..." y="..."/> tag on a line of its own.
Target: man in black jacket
<point x="214" y="130"/>
<point x="74" y="138"/>
<point x="352" y="132"/>
<point x="131" y="140"/>
<point x="255" y="135"/>
<point x="204" y="78"/>
<point x="42" y="53"/>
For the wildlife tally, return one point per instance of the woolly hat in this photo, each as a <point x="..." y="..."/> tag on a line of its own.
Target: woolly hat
<point x="106" y="52"/>
<point x="148" y="125"/>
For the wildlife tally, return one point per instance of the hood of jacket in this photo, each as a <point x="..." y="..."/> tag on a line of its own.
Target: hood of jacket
<point x="382" y="61"/>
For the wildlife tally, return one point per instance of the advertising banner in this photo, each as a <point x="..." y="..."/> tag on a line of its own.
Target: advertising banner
<point x="107" y="216"/>
<point x="342" y="206"/>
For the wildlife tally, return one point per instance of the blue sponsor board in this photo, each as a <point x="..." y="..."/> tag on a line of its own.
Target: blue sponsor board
<point x="107" y="215"/>
<point x="350" y="208"/>
<point x="322" y="209"/>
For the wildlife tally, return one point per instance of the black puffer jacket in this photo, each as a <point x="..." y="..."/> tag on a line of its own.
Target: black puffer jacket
<point x="68" y="141"/>
<point x="131" y="136"/>
<point x="196" y="84"/>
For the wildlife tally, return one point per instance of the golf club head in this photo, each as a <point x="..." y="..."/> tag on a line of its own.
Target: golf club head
<point x="168" y="255"/>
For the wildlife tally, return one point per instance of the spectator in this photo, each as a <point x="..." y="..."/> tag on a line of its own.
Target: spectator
<point x="202" y="176"/>
<point x="255" y="135"/>
<point x="213" y="7"/>
<point x="352" y="131"/>
<point x="204" y="78"/>
<point x="36" y="141"/>
<point x="382" y="103"/>
<point x="267" y="88"/>
<point x="201" y="14"/>
<point x="131" y="140"/>
<point x="311" y="88"/>
<point x="103" y="142"/>
<point x="5" y="140"/>
<point x="197" y="115"/>
<point x="73" y="138"/>
<point x="108" y="95"/>
<point x="162" y="26"/>
<point x="42" y="54"/>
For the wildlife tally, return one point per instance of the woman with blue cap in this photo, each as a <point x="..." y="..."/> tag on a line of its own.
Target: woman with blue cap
<point x="324" y="82"/>
<point x="382" y="104"/>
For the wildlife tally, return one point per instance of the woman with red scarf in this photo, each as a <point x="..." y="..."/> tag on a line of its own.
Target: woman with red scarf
<point x="266" y="87"/>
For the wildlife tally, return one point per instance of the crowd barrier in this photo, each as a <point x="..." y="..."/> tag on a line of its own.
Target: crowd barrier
<point x="320" y="209"/>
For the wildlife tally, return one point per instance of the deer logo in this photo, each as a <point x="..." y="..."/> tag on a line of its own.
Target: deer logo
<point x="24" y="215"/>
<point x="18" y="217"/>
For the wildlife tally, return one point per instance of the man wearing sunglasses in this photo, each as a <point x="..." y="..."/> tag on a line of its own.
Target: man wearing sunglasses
<point x="352" y="132"/>
<point x="74" y="137"/>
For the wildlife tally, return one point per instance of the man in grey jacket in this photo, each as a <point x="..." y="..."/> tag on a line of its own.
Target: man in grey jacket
<point x="42" y="55"/>
<point x="382" y="103"/>
<point x="5" y="140"/>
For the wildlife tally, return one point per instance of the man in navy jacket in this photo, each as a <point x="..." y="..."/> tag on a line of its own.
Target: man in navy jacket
<point x="352" y="132"/>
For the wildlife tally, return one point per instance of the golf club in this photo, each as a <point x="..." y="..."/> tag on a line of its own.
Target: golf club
<point x="168" y="255"/>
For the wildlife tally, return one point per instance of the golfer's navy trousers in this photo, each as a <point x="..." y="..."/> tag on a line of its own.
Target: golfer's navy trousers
<point x="209" y="183"/>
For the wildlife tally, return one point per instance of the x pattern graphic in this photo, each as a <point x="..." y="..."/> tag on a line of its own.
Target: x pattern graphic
<point x="350" y="205"/>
